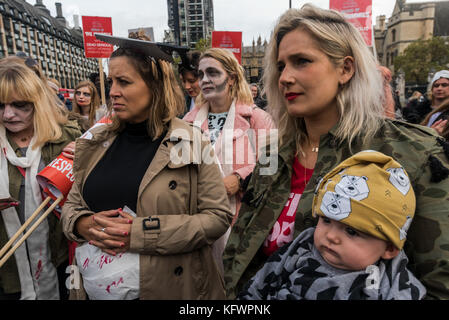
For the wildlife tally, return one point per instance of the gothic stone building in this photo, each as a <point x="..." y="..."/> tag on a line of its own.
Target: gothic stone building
<point x="408" y="23"/>
<point x="252" y="60"/>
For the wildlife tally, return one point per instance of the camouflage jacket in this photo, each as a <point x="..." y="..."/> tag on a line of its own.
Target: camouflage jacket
<point x="424" y="156"/>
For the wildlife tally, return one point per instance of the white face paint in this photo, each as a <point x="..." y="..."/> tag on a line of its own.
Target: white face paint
<point x="83" y="96"/>
<point x="213" y="79"/>
<point x="16" y="115"/>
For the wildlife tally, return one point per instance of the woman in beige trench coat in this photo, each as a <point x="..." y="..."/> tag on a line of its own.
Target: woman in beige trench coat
<point x="181" y="207"/>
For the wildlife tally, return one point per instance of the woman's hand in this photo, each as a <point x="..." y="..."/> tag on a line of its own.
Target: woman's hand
<point x="69" y="151"/>
<point x="439" y="126"/>
<point x="232" y="184"/>
<point x="108" y="230"/>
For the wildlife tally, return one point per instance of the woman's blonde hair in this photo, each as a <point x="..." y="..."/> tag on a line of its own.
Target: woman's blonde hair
<point x="19" y="81"/>
<point x="240" y="90"/>
<point x="359" y="101"/>
<point x="166" y="98"/>
<point x="416" y="95"/>
<point x="94" y="101"/>
<point x="30" y="63"/>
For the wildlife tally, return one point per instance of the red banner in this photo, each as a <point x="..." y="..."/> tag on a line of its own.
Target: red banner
<point x="94" y="48"/>
<point x="230" y="40"/>
<point x="359" y="13"/>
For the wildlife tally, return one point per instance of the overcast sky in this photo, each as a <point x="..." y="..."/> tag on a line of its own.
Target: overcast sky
<point x="252" y="17"/>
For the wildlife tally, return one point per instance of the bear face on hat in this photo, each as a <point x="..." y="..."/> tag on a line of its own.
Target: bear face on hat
<point x="336" y="206"/>
<point x="353" y="186"/>
<point x="400" y="180"/>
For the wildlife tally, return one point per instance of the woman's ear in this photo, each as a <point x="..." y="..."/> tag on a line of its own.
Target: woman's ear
<point x="347" y="70"/>
<point x="390" y="252"/>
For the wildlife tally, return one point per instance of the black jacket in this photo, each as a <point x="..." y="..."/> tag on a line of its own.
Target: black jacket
<point x="417" y="110"/>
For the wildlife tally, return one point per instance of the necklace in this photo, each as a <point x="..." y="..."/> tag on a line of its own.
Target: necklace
<point x="305" y="171"/>
<point x="305" y="179"/>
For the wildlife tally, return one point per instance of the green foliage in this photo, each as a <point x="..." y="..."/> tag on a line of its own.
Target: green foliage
<point x="177" y="60"/>
<point x="203" y="44"/>
<point x="420" y="57"/>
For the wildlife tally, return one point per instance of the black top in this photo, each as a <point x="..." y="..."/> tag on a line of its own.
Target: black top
<point x="114" y="182"/>
<point x="417" y="110"/>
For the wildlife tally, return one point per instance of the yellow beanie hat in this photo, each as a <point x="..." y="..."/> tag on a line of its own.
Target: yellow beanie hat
<point x="371" y="193"/>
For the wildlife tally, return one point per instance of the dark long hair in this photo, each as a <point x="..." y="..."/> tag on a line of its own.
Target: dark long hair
<point x="190" y="63"/>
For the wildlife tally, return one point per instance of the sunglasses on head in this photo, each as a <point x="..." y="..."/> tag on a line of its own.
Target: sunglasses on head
<point x="79" y="93"/>
<point x="19" y="105"/>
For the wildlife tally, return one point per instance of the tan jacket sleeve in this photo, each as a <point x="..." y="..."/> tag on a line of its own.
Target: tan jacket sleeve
<point x="182" y="233"/>
<point x="72" y="210"/>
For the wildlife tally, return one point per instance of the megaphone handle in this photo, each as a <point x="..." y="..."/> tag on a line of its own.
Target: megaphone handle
<point x="30" y="231"/>
<point x="25" y="225"/>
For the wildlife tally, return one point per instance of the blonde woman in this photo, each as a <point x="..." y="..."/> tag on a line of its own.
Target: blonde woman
<point x="326" y="97"/>
<point x="225" y="110"/>
<point x="33" y="131"/>
<point x="181" y="207"/>
<point x="87" y="102"/>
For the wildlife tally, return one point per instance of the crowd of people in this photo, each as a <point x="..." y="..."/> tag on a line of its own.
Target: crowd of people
<point x="173" y="197"/>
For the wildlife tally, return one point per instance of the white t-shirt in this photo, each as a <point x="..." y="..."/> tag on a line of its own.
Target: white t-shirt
<point x="216" y="124"/>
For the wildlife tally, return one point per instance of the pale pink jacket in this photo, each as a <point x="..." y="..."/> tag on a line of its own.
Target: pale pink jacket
<point x="246" y="117"/>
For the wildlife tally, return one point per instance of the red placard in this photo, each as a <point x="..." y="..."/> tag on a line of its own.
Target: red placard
<point x="57" y="178"/>
<point x="94" y="48"/>
<point x="230" y="40"/>
<point x="359" y="13"/>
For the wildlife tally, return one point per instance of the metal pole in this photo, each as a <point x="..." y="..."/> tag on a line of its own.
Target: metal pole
<point x="290" y="4"/>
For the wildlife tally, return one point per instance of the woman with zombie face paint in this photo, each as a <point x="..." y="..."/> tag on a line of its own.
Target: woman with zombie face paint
<point x="237" y="128"/>
<point x="326" y="96"/>
<point x="87" y="102"/>
<point x="33" y="131"/>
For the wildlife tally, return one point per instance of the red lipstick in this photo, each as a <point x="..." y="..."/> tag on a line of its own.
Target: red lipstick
<point x="291" y="96"/>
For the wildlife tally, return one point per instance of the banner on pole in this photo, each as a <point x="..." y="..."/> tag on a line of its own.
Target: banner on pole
<point x="94" y="48"/>
<point x="359" y="13"/>
<point x="230" y="40"/>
